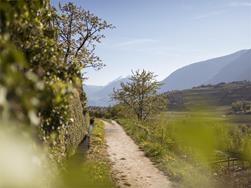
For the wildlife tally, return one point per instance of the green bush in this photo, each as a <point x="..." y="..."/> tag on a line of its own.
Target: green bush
<point x="152" y="149"/>
<point x="241" y="106"/>
<point x="36" y="86"/>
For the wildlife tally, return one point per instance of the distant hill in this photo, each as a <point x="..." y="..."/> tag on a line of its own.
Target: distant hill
<point x="229" y="68"/>
<point x="223" y="94"/>
<point x="237" y="70"/>
<point x="233" y="67"/>
<point x="92" y="89"/>
<point x="101" y="95"/>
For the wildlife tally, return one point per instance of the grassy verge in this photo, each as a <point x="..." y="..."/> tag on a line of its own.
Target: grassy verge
<point x="184" y="145"/>
<point x="181" y="172"/>
<point x="97" y="157"/>
<point x="90" y="168"/>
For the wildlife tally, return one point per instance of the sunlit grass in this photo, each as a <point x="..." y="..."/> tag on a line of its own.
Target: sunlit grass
<point x="185" y="145"/>
<point x="89" y="168"/>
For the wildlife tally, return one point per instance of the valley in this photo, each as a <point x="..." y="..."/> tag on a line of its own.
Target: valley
<point x="230" y="68"/>
<point x="119" y="94"/>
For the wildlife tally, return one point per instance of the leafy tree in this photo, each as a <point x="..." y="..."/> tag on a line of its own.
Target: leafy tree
<point x="79" y="32"/>
<point x="140" y="94"/>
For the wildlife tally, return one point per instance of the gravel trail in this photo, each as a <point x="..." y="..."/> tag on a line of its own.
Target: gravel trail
<point x="130" y="167"/>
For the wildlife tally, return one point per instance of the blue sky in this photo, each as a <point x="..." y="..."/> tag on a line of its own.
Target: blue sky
<point x="164" y="35"/>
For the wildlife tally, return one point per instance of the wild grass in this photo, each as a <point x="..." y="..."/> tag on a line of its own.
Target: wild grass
<point x="91" y="169"/>
<point x="185" y="145"/>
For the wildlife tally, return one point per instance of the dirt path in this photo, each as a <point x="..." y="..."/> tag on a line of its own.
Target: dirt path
<point x="129" y="165"/>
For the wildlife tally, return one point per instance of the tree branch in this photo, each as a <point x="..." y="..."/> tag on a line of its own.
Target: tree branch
<point x="68" y="38"/>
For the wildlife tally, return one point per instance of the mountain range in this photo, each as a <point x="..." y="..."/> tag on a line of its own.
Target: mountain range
<point x="229" y="68"/>
<point x="101" y="95"/>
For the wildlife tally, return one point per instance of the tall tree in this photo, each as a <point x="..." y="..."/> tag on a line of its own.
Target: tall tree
<point x="140" y="94"/>
<point x="79" y="33"/>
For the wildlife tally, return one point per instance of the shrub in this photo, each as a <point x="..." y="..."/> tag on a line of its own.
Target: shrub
<point x="241" y="106"/>
<point x="36" y="86"/>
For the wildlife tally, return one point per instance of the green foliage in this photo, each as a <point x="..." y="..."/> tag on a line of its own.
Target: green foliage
<point x="35" y="84"/>
<point x="184" y="145"/>
<point x="40" y="90"/>
<point x="153" y="149"/>
<point x="94" y="169"/>
<point x="223" y="94"/>
<point x="99" y="112"/>
<point x="114" y="112"/>
<point x="139" y="94"/>
<point x="79" y="32"/>
<point x="19" y="90"/>
<point x="40" y="70"/>
<point x="241" y="107"/>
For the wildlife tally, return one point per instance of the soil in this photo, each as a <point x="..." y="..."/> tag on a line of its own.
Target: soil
<point x="130" y="167"/>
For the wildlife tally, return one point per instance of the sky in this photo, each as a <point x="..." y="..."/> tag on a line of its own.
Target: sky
<point x="164" y="35"/>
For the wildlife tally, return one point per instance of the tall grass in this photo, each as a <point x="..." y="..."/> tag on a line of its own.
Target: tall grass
<point x="89" y="167"/>
<point x="185" y="145"/>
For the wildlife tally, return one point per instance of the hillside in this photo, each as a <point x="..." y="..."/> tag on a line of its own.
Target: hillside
<point x="92" y="89"/>
<point x="233" y="67"/>
<point x="229" y="68"/>
<point x="238" y="70"/>
<point x="215" y="95"/>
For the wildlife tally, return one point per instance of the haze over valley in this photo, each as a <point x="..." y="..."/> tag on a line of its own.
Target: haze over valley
<point x="228" y="68"/>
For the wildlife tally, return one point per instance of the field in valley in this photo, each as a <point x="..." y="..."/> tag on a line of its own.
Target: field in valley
<point x="199" y="136"/>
